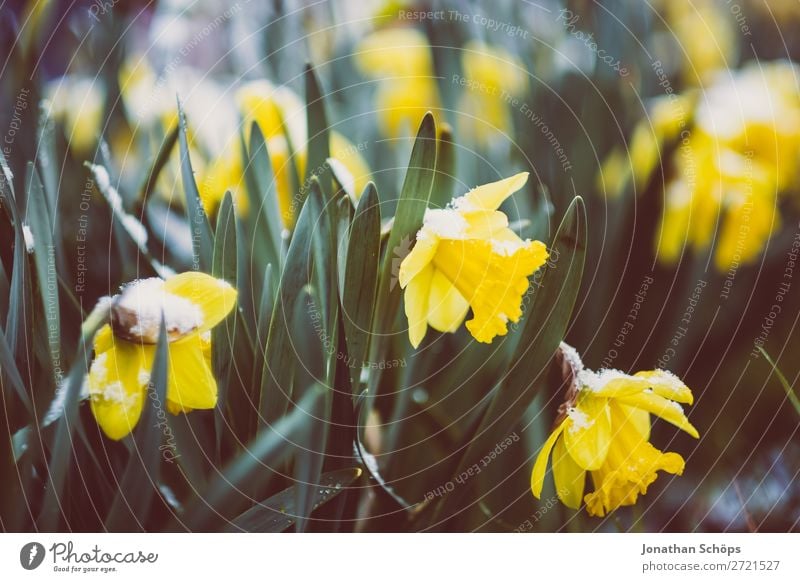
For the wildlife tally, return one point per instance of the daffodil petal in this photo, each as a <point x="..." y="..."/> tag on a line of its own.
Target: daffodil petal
<point x="589" y="435"/>
<point x="670" y="411"/>
<point x="215" y="297"/>
<point x="191" y="383"/>
<point x="103" y="339"/>
<point x="419" y="258"/>
<point x="416" y="304"/>
<point x="668" y="385"/>
<point x="540" y="466"/>
<point x="447" y="308"/>
<point x="569" y="477"/>
<point x="117" y="381"/>
<point x="491" y="196"/>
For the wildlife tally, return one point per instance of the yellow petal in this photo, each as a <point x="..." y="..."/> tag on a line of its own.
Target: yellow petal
<point x="491" y="196"/>
<point x="213" y="296"/>
<point x="589" y="435"/>
<point x="191" y="383"/>
<point x="103" y="339"/>
<point x="117" y="381"/>
<point x="416" y="304"/>
<point x="447" y="308"/>
<point x="569" y="478"/>
<point x="668" y="385"/>
<point x="419" y="258"/>
<point x="540" y="466"/>
<point x="663" y="408"/>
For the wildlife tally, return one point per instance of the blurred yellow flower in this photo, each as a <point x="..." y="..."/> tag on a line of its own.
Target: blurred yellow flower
<point x="192" y="304"/>
<point x="400" y="59"/>
<point x="78" y="104"/>
<point x="492" y="76"/>
<point x="466" y="257"/>
<point x="281" y="117"/>
<point x="604" y="429"/>
<point x="739" y="159"/>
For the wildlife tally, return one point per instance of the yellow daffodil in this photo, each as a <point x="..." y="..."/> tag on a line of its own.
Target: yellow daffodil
<point x="465" y="257"/>
<point x="77" y="103"/>
<point x="492" y="76"/>
<point x="734" y="166"/>
<point x="281" y="117"/>
<point x="192" y="304"/>
<point x="400" y="60"/>
<point x="604" y="429"/>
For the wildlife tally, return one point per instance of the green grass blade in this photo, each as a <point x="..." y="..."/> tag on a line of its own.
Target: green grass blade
<point x="782" y="379"/>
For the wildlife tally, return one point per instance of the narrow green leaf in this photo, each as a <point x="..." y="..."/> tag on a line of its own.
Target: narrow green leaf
<point x="264" y="222"/>
<point x="41" y="226"/>
<point x="139" y="483"/>
<point x="277" y="513"/>
<point x="311" y="444"/>
<point x="782" y="379"/>
<point x="278" y="374"/>
<point x="411" y="206"/>
<point x="445" y="180"/>
<point x="202" y="238"/>
<point x="361" y="279"/>
<point x="160" y="161"/>
<point x="318" y="135"/>
<point x="10" y="372"/>
<point x="222" y="336"/>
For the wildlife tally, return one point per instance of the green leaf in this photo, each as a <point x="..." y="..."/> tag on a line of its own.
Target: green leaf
<point x="264" y="216"/>
<point x="222" y="336"/>
<point x="278" y="374"/>
<point x="278" y="512"/>
<point x="782" y="379"/>
<point x="411" y="207"/>
<point x="311" y="444"/>
<point x="139" y="483"/>
<point x="543" y="330"/>
<point x="318" y="135"/>
<point x="9" y="372"/>
<point x="445" y="180"/>
<point x="202" y="238"/>
<point x="160" y="161"/>
<point x="361" y="279"/>
<point x="42" y="227"/>
<point x="253" y="466"/>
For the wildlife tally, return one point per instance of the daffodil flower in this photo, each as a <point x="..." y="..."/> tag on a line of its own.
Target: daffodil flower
<point x="466" y="257"/>
<point x="400" y="59"/>
<point x="192" y="304"/>
<point x="604" y="429"/>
